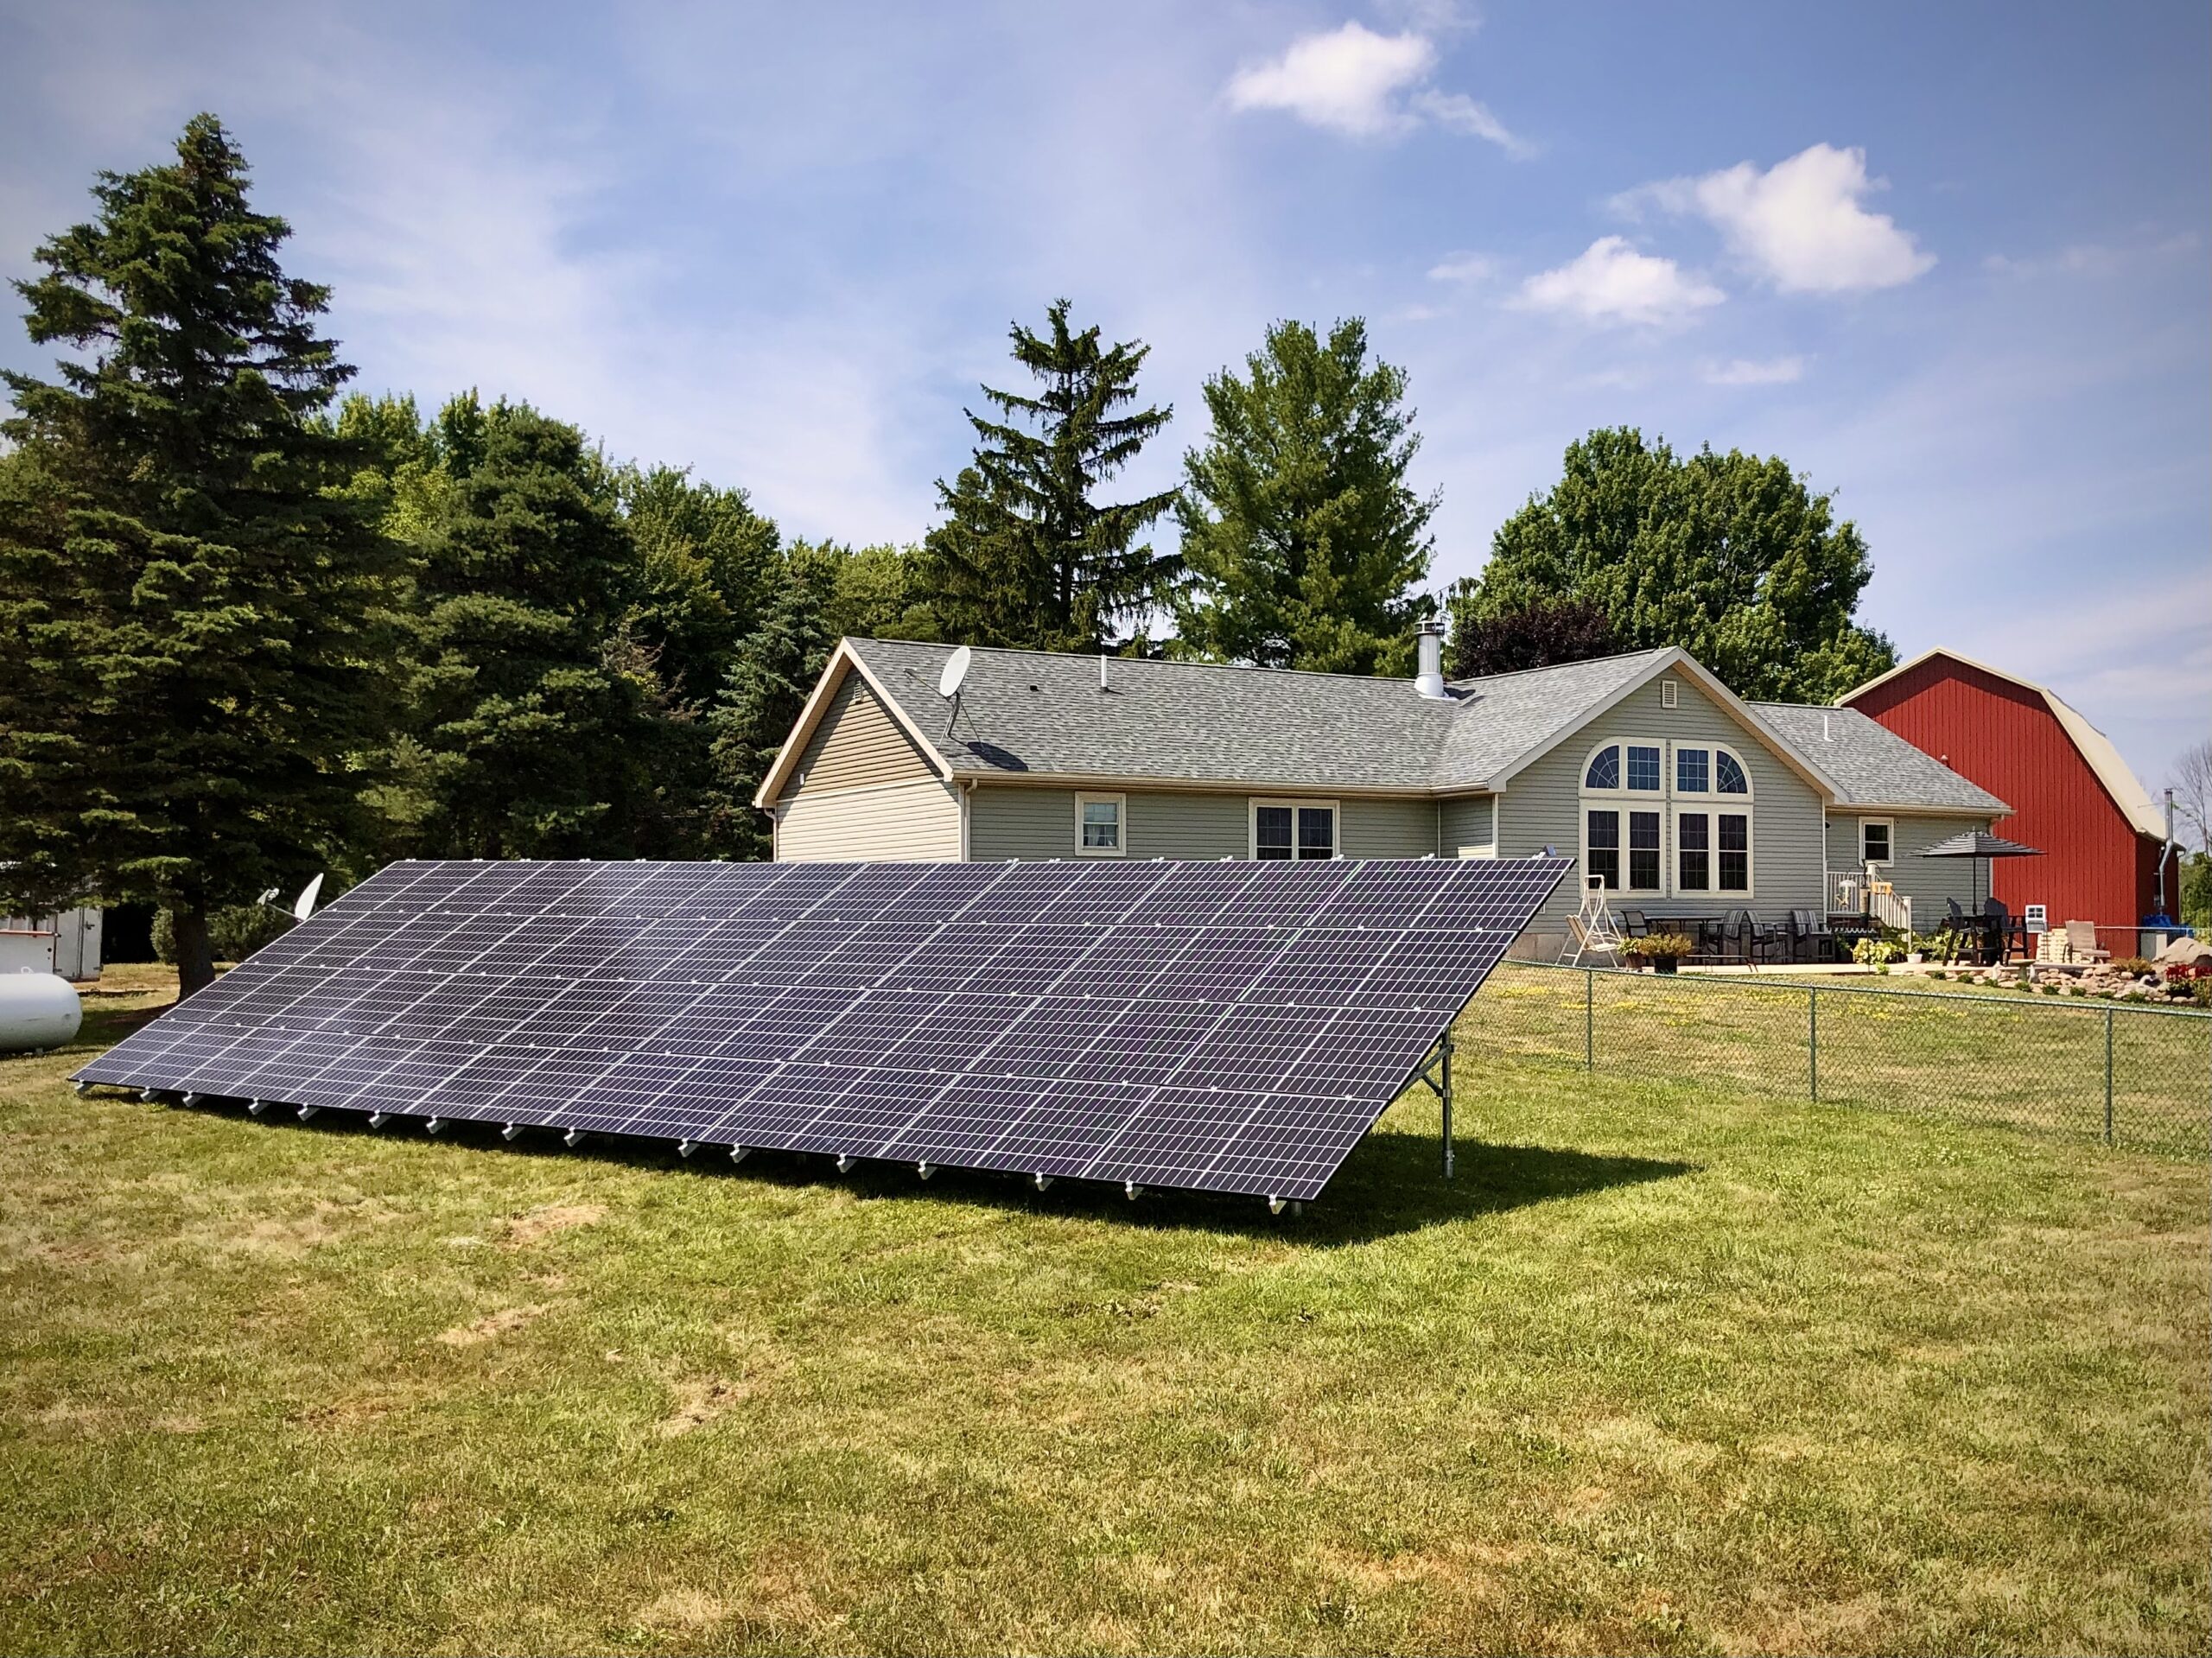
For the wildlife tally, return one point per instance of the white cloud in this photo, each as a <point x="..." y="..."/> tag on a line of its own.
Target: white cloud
<point x="1363" y="85"/>
<point x="1347" y="81"/>
<point x="1612" y="282"/>
<point x="1800" y="223"/>
<point x="1463" y="267"/>
<point x="1743" y="371"/>
<point x="1458" y="112"/>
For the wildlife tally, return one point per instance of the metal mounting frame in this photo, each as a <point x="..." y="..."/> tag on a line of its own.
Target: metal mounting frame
<point x="1436" y="1072"/>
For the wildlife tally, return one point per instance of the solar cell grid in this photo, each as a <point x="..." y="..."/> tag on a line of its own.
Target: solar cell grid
<point x="1232" y="1026"/>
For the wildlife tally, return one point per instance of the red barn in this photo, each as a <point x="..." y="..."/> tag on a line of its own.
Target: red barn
<point x="2072" y="794"/>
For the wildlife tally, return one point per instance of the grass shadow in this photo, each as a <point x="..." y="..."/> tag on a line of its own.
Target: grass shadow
<point x="1391" y="1183"/>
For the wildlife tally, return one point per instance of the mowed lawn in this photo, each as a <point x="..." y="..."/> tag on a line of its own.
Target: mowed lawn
<point x="1669" y="1366"/>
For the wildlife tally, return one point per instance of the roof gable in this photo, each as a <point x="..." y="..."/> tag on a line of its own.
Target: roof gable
<point x="2096" y="750"/>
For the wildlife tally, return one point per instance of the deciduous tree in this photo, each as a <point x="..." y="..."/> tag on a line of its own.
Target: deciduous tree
<point x="1733" y="557"/>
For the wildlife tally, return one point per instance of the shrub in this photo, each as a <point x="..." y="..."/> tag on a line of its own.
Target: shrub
<point x="1662" y="943"/>
<point x="1875" y="952"/>
<point x="233" y="933"/>
<point x="2134" y="966"/>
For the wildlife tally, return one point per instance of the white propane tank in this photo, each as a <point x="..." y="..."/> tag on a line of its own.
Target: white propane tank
<point x="37" y="1010"/>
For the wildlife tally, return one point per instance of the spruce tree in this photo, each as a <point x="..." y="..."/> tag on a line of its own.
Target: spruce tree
<point x="1303" y="542"/>
<point x="1026" y="556"/>
<point x="774" y="672"/>
<point x="187" y="592"/>
<point x="533" y="704"/>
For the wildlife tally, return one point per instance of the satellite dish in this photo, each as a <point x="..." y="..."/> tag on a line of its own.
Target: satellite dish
<point x="304" y="906"/>
<point x="956" y="672"/>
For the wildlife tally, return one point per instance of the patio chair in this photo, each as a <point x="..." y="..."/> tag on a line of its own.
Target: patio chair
<point x="2081" y="942"/>
<point x="1752" y="940"/>
<point x="1810" y="932"/>
<point x="1997" y="924"/>
<point x="1634" y="925"/>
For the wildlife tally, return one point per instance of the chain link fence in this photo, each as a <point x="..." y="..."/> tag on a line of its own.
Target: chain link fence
<point x="2139" y="1077"/>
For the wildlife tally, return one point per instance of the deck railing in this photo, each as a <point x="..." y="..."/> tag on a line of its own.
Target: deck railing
<point x="1855" y="892"/>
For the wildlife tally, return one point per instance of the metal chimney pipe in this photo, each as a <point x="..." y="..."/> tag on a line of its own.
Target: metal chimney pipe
<point x="1429" y="640"/>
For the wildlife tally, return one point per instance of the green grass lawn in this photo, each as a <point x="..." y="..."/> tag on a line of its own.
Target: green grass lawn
<point x="1671" y="1367"/>
<point x="1939" y="1050"/>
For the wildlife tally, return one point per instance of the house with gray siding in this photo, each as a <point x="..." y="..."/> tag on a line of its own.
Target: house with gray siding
<point x="1676" y="796"/>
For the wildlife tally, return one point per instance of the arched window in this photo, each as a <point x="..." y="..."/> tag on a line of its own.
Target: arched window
<point x="1620" y="840"/>
<point x="1667" y="819"/>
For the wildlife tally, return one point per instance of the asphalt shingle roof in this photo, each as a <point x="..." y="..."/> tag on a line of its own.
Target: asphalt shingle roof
<point x="1870" y="764"/>
<point x="1032" y="711"/>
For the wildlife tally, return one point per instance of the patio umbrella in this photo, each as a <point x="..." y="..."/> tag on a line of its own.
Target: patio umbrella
<point x="1978" y="844"/>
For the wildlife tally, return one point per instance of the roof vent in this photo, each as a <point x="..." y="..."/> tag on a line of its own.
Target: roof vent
<point x="1826" y="736"/>
<point x="1429" y="640"/>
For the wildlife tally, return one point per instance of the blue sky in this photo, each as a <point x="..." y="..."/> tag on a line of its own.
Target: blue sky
<point x="1950" y="261"/>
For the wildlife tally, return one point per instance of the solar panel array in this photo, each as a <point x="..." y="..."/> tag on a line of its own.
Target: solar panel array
<point x="1231" y="1026"/>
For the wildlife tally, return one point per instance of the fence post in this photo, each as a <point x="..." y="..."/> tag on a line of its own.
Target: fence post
<point x="2109" y="1011"/>
<point x="1589" y="1019"/>
<point x="1813" y="1034"/>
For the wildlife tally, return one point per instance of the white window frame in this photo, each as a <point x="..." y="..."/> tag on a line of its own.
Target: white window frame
<point x="1674" y="789"/>
<point x="1252" y="825"/>
<point x="1121" y="804"/>
<point x="1669" y="801"/>
<point x="1890" y="827"/>
<point x="1701" y="805"/>
<point x="1666" y="759"/>
<point x="1738" y="806"/>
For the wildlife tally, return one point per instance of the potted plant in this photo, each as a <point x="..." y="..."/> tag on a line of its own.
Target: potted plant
<point x="1664" y="950"/>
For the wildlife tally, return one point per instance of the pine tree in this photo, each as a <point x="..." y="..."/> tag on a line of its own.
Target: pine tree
<point x="1303" y="542"/>
<point x="1026" y="558"/>
<point x="776" y="669"/>
<point x="533" y="702"/>
<point x="1731" y="557"/>
<point x="186" y="591"/>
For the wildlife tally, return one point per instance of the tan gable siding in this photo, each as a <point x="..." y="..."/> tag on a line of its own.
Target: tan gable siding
<point x="915" y="823"/>
<point x="857" y="744"/>
<point x="1541" y="806"/>
<point x="1471" y="821"/>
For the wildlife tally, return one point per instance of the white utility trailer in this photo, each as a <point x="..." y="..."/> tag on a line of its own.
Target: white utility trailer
<point x="68" y="944"/>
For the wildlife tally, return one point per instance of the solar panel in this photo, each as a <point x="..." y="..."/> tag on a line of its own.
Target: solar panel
<point x="1231" y="1026"/>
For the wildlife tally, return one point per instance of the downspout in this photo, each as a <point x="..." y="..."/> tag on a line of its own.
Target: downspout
<point x="967" y="801"/>
<point x="2168" y="904"/>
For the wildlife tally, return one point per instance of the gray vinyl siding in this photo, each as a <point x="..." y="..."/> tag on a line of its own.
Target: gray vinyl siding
<point x="1471" y="821"/>
<point x="1927" y="881"/>
<point x="1541" y="806"/>
<point x="1013" y="822"/>
<point x="1386" y="829"/>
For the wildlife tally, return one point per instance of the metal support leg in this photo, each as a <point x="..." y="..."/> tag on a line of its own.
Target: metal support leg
<point x="1445" y="1065"/>
<point x="1437" y="1073"/>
